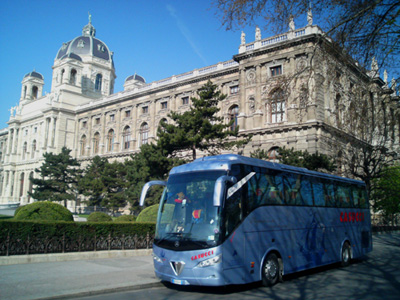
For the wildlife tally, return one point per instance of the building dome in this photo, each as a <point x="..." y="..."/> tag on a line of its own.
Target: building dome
<point x="135" y="77"/>
<point x="85" y="45"/>
<point x="34" y="74"/>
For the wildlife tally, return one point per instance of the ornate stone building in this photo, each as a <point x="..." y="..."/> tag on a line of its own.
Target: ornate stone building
<point x="289" y="90"/>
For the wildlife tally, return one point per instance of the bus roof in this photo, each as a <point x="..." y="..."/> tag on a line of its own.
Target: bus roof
<point x="225" y="161"/>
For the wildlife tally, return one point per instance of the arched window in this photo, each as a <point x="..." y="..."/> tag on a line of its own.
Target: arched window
<point x="110" y="140"/>
<point x="30" y="186"/>
<point x="21" y="186"/>
<point x="277" y="107"/>
<point x="96" y="143"/>
<point x="273" y="154"/>
<point x="163" y="120"/>
<point x="24" y="92"/>
<point x="33" y="149"/>
<point x="83" y="145"/>
<point x="72" y="77"/>
<point x="233" y="114"/>
<point x="34" y="92"/>
<point x="62" y="76"/>
<point x="144" y="133"/>
<point x="99" y="79"/>
<point x="338" y="110"/>
<point x="24" y="150"/>
<point x="126" y="136"/>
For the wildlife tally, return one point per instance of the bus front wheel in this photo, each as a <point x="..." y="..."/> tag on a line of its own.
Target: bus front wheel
<point x="270" y="270"/>
<point x="346" y="255"/>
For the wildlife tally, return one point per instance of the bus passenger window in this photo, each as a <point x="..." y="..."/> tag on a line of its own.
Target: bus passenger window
<point x="275" y="188"/>
<point x="306" y="191"/>
<point x="343" y="196"/>
<point x="292" y="183"/>
<point x="318" y="192"/>
<point x="329" y="194"/>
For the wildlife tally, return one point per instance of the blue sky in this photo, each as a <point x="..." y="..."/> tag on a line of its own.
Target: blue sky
<point x="155" y="39"/>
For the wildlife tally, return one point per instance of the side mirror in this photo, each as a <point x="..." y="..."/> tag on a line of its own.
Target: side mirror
<point x="146" y="188"/>
<point x="220" y="187"/>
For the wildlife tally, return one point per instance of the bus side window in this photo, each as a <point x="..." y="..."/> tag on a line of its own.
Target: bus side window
<point x="275" y="188"/>
<point x="356" y="196"/>
<point x="364" y="198"/>
<point x="292" y="186"/>
<point x="343" y="196"/>
<point x="329" y="194"/>
<point x="318" y="191"/>
<point x="306" y="191"/>
<point x="257" y="189"/>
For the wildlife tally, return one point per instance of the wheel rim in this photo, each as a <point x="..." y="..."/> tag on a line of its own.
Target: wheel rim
<point x="346" y="255"/>
<point x="271" y="269"/>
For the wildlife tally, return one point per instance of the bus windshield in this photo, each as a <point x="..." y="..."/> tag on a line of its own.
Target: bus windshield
<point x="187" y="219"/>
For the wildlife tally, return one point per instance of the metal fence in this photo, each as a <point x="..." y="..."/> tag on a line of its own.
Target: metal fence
<point x="12" y="246"/>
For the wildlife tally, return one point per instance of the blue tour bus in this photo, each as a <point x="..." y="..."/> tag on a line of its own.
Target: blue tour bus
<point x="230" y="219"/>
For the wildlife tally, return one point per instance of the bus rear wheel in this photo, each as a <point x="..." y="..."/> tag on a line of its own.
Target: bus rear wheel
<point x="346" y="255"/>
<point x="270" y="270"/>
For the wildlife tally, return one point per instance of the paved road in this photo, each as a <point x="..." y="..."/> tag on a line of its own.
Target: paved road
<point x="375" y="277"/>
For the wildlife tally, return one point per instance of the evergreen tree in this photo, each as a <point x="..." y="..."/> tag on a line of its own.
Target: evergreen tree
<point x="303" y="159"/>
<point x="113" y="178"/>
<point x="91" y="184"/>
<point x="59" y="174"/>
<point x="151" y="163"/>
<point x="386" y="193"/>
<point x="198" y="128"/>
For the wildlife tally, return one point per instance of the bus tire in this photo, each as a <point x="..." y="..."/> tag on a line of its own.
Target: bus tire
<point x="270" y="270"/>
<point x="346" y="255"/>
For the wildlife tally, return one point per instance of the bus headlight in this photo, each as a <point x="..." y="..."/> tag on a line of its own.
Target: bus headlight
<point x="157" y="259"/>
<point x="210" y="262"/>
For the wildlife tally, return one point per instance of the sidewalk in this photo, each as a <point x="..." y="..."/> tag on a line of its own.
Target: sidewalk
<point x="72" y="278"/>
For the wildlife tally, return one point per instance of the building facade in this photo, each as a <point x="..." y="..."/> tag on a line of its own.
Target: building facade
<point x="290" y="90"/>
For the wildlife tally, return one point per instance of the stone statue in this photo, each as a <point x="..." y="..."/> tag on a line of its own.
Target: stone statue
<point x="258" y="34"/>
<point x="309" y="17"/>
<point x="385" y="77"/>
<point x="393" y="82"/>
<point x="243" y="38"/>
<point x="291" y="23"/>
<point x="374" y="66"/>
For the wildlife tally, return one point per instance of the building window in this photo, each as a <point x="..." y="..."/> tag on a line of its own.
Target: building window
<point x="144" y="133"/>
<point x="84" y="124"/>
<point x="99" y="79"/>
<point x="164" y="105"/>
<point x="145" y="109"/>
<point x="97" y="121"/>
<point x="112" y="118"/>
<point x="24" y="150"/>
<point x="185" y="100"/>
<point x="96" y="143"/>
<point x="162" y="121"/>
<point x="273" y="154"/>
<point x="72" y="77"/>
<point x="34" y="92"/>
<point x="83" y="145"/>
<point x="33" y="149"/>
<point x="275" y="71"/>
<point x="127" y="114"/>
<point x="21" y="187"/>
<point x="233" y="114"/>
<point x="278" y="107"/>
<point x="126" y="136"/>
<point x="110" y="140"/>
<point x="234" y="89"/>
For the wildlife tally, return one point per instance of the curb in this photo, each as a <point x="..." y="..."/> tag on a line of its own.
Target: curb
<point x="105" y="291"/>
<point x="59" y="257"/>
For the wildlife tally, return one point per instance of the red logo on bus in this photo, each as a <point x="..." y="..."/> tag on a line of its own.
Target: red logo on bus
<point x="202" y="255"/>
<point x="352" y="217"/>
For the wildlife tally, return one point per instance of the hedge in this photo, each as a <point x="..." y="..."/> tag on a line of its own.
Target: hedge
<point x="71" y="230"/>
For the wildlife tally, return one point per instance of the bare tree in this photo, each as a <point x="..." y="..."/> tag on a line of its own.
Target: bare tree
<point x="364" y="28"/>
